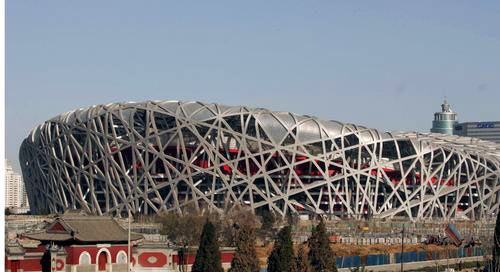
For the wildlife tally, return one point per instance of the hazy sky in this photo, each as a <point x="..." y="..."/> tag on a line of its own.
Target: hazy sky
<point x="382" y="64"/>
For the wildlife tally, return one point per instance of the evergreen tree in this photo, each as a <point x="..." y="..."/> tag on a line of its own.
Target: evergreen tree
<point x="496" y="245"/>
<point x="300" y="262"/>
<point x="320" y="255"/>
<point x="208" y="254"/>
<point x="268" y="220"/>
<point x="245" y="258"/>
<point x="282" y="254"/>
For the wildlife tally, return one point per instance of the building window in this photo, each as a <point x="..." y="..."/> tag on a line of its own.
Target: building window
<point x="121" y="257"/>
<point x="85" y="258"/>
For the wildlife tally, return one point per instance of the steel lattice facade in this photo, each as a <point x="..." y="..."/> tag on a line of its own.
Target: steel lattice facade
<point x="163" y="155"/>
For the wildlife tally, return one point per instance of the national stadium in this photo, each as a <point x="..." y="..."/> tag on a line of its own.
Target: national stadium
<point x="160" y="156"/>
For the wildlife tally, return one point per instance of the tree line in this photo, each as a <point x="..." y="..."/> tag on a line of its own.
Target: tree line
<point x="320" y="256"/>
<point x="240" y="229"/>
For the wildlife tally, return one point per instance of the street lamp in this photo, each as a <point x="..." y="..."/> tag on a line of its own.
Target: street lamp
<point x="402" y="246"/>
<point x="128" y="244"/>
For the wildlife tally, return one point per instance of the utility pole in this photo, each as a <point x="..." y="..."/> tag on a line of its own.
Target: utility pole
<point x="128" y="244"/>
<point x="402" y="246"/>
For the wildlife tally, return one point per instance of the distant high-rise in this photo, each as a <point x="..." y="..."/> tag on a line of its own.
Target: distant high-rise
<point x="445" y="120"/>
<point x="484" y="130"/>
<point x="15" y="192"/>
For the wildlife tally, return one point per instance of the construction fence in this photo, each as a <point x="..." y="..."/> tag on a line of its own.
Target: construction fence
<point x="407" y="257"/>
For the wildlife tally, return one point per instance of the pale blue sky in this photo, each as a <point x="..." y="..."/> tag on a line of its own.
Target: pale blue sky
<point x="382" y="64"/>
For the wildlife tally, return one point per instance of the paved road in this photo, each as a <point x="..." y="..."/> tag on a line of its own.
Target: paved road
<point x="415" y="265"/>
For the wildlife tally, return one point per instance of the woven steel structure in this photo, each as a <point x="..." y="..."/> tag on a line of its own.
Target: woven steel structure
<point x="163" y="155"/>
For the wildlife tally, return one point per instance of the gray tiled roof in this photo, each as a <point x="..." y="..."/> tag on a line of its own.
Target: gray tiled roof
<point x="85" y="229"/>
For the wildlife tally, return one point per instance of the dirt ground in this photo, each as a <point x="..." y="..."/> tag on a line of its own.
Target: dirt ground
<point x="363" y="250"/>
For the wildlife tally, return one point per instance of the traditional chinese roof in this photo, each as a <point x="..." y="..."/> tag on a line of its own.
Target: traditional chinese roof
<point x="84" y="228"/>
<point x="14" y="248"/>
